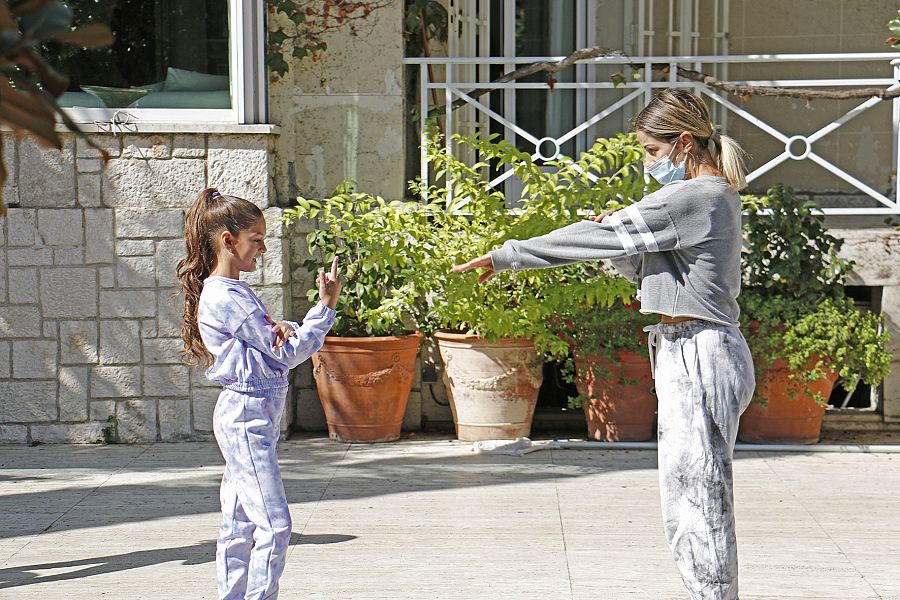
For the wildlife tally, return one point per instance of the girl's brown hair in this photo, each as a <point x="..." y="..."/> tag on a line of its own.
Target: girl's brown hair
<point x="676" y="110"/>
<point x="210" y="215"/>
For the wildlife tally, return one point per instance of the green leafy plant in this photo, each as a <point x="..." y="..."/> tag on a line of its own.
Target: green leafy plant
<point x="29" y="86"/>
<point x="894" y="26"/>
<point x="793" y="302"/>
<point x="609" y="333"/>
<point x="789" y="252"/>
<point x="470" y="218"/>
<point x="380" y="249"/>
<point x="398" y="256"/>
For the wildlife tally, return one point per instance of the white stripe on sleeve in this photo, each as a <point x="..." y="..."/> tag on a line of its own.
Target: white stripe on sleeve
<point x="649" y="240"/>
<point x="622" y="233"/>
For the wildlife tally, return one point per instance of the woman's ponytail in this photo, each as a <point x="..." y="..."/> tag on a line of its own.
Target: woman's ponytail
<point x="730" y="159"/>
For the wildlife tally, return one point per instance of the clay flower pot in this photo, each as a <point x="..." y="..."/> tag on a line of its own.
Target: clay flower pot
<point x="622" y="405"/>
<point x="492" y="386"/>
<point x="790" y="415"/>
<point x="364" y="385"/>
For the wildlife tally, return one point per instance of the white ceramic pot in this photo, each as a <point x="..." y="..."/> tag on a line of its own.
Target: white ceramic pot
<point x="492" y="386"/>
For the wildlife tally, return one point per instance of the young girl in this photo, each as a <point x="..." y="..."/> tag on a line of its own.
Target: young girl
<point x="682" y="245"/>
<point x="227" y="329"/>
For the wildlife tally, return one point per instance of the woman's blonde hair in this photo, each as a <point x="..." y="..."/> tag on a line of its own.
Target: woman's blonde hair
<point x="211" y="214"/>
<point x="676" y="110"/>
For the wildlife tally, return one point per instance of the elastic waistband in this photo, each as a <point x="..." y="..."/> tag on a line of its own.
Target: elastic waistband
<point x="256" y="385"/>
<point x="688" y="326"/>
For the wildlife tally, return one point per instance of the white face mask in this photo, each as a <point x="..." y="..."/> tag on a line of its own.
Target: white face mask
<point x="665" y="171"/>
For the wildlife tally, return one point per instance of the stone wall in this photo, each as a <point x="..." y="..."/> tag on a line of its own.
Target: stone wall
<point x="89" y="323"/>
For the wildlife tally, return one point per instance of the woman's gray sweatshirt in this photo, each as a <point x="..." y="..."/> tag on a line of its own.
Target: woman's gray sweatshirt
<point x="680" y="244"/>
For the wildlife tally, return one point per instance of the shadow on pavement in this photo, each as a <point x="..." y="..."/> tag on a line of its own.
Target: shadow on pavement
<point x="194" y="554"/>
<point x="184" y="489"/>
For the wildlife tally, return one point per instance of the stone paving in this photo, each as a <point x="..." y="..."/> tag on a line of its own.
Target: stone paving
<point x="428" y="519"/>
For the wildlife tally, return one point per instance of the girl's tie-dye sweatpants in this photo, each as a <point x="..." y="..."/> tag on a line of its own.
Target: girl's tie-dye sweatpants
<point x="256" y="523"/>
<point x="704" y="381"/>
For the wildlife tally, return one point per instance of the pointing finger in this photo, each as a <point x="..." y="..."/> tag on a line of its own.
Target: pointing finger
<point x="334" y="266"/>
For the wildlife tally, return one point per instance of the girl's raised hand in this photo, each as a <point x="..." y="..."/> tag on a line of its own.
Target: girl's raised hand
<point x="482" y="262"/>
<point x="329" y="285"/>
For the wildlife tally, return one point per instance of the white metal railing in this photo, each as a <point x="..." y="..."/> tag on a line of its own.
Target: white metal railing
<point x="547" y="148"/>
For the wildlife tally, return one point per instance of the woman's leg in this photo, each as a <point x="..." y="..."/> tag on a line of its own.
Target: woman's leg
<point x="247" y="428"/>
<point x="704" y="380"/>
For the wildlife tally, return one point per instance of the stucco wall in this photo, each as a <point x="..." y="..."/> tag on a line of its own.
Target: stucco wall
<point x="861" y="147"/>
<point x="342" y="115"/>
<point x="89" y="327"/>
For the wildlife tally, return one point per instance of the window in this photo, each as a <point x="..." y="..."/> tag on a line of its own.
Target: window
<point x="172" y="60"/>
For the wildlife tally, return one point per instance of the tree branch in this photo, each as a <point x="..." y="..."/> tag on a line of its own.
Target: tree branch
<point x="742" y="91"/>
<point x="745" y="91"/>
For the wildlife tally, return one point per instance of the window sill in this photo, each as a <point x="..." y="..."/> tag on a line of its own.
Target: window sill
<point x="186" y="127"/>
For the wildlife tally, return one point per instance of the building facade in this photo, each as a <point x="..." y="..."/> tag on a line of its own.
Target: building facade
<point x="89" y="318"/>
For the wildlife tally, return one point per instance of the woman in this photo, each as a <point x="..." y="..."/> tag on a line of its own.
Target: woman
<point x="682" y="246"/>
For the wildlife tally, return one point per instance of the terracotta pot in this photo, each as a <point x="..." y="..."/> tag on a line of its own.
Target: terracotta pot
<point x="785" y="419"/>
<point x="492" y="386"/>
<point x="622" y="405"/>
<point x="364" y="385"/>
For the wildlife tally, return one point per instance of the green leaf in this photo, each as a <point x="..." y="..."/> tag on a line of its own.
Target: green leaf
<point x="275" y="61"/>
<point x="277" y="37"/>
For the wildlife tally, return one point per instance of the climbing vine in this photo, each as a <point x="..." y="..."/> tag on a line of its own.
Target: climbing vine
<point x="297" y="28"/>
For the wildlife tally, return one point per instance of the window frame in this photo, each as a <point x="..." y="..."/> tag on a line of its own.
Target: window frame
<point x="248" y="83"/>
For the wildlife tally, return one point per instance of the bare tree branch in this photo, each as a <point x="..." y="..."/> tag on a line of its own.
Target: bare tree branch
<point x="742" y="91"/>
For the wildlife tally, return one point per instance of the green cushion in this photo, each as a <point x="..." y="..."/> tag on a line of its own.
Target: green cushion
<point x="181" y="80"/>
<point x="79" y="99"/>
<point x="215" y="99"/>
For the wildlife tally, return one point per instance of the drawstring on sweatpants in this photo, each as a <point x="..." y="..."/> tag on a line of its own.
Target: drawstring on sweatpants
<point x="652" y="344"/>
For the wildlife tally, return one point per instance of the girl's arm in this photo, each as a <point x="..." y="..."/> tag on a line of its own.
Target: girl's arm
<point x="254" y="327"/>
<point x="307" y="338"/>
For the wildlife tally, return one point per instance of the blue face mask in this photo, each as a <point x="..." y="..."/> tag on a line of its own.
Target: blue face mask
<point x="665" y="171"/>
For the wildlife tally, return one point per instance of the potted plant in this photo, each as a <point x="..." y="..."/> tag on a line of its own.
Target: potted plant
<point x="610" y="366"/>
<point x="803" y="332"/>
<point x="365" y="369"/>
<point x="491" y="336"/>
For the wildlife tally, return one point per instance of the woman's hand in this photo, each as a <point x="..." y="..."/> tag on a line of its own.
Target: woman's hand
<point x="482" y="262"/>
<point x="601" y="216"/>
<point x="282" y="331"/>
<point x="329" y="285"/>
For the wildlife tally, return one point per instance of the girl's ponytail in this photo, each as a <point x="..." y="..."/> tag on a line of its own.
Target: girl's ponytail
<point x="729" y="157"/>
<point x="211" y="214"/>
<point x="191" y="271"/>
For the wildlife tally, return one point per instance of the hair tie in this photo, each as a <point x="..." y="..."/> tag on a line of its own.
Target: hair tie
<point x="215" y="194"/>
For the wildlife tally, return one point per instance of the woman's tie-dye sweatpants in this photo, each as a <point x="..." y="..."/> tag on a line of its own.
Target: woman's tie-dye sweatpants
<point x="704" y="381"/>
<point x="256" y="523"/>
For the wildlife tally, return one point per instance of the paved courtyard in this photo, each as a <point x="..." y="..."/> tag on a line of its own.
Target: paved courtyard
<point x="428" y="519"/>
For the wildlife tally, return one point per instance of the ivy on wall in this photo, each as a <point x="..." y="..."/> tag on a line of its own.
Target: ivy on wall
<point x="297" y="28"/>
